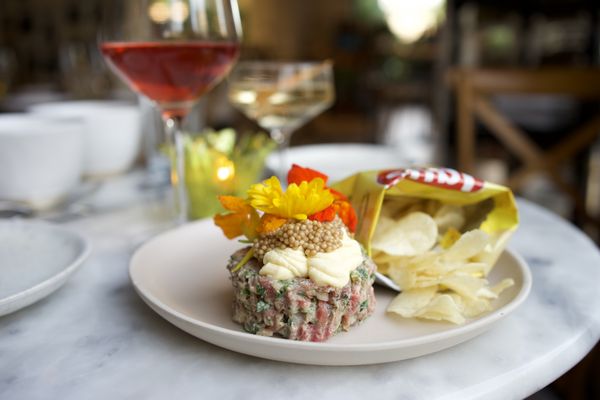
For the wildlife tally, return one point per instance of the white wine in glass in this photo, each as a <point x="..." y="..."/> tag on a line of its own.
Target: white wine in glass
<point x="281" y="97"/>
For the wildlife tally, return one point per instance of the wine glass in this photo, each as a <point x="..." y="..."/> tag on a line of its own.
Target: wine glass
<point x="172" y="52"/>
<point x="281" y="96"/>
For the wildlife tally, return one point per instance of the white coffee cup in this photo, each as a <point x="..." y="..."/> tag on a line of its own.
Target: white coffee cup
<point x="111" y="130"/>
<point x="41" y="159"/>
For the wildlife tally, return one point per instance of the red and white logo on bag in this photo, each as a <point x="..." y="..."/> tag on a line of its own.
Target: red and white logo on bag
<point x="446" y="178"/>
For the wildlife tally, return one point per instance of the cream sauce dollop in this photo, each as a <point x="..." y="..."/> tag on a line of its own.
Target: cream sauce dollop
<point x="332" y="268"/>
<point x="284" y="264"/>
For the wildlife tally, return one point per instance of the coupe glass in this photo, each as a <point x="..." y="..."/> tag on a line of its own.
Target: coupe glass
<point x="172" y="52"/>
<point x="281" y="96"/>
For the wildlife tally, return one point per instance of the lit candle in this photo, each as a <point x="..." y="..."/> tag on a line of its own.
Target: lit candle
<point x="224" y="170"/>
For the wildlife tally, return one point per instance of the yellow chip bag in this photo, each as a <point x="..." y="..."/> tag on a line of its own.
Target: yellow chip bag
<point x="436" y="233"/>
<point x="476" y="204"/>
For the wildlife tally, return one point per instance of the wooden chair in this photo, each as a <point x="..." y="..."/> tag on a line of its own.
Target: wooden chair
<point x="475" y="87"/>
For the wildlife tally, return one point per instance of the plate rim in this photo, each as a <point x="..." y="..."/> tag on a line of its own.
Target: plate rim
<point x="271" y="160"/>
<point x="458" y="331"/>
<point x="86" y="250"/>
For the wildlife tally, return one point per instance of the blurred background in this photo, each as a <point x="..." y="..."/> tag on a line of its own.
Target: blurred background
<point x="508" y="90"/>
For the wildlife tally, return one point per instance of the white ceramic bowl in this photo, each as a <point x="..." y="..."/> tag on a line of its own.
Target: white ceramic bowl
<point x="40" y="158"/>
<point x="111" y="132"/>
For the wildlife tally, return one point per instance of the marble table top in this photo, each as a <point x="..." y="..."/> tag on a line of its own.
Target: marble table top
<point x="96" y="339"/>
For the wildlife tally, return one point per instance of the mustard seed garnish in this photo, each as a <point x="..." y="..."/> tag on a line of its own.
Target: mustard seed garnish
<point x="310" y="236"/>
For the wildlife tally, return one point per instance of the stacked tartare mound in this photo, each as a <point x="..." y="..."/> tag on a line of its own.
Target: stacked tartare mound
<point x="303" y="277"/>
<point x="299" y="308"/>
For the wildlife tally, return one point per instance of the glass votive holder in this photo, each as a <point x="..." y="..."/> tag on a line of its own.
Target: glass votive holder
<point x="222" y="163"/>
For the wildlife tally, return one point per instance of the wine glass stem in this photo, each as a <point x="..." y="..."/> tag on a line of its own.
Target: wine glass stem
<point x="282" y="138"/>
<point x="177" y="139"/>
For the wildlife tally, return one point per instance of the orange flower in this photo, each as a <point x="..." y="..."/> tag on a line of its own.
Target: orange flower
<point x="346" y="213"/>
<point x="341" y="208"/>
<point x="298" y="174"/>
<point x="233" y="203"/>
<point x="242" y="220"/>
<point x="327" y="215"/>
<point x="270" y="223"/>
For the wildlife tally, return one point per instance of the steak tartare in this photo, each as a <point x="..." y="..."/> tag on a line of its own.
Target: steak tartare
<point x="298" y="309"/>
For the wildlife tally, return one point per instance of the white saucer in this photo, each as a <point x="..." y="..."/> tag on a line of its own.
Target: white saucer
<point x="36" y="258"/>
<point x="181" y="275"/>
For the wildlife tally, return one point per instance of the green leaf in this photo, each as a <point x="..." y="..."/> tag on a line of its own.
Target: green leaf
<point x="260" y="291"/>
<point x="252" y="328"/>
<point x="360" y="273"/>
<point x="364" y="305"/>
<point x="222" y="141"/>
<point x="285" y="284"/>
<point x="261" y="306"/>
<point x="244" y="260"/>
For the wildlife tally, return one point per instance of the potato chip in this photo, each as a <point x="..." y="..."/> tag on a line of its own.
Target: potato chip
<point x="409" y="302"/>
<point x="487" y="293"/>
<point x="449" y="238"/>
<point x="427" y="281"/>
<point x="449" y="216"/>
<point x="421" y="262"/>
<point x="442" y="307"/>
<point x="504" y="284"/>
<point x="475" y="307"/>
<point x="441" y="272"/>
<point x="384" y="225"/>
<point x="380" y="256"/>
<point x="468" y="245"/>
<point x="413" y="234"/>
<point x="403" y="277"/>
<point x="437" y="269"/>
<point x="464" y="285"/>
<point x="385" y="262"/>
<point x="490" y="253"/>
<point x="475" y="269"/>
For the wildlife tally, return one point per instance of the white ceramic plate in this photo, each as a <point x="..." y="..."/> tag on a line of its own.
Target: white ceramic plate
<point x="36" y="258"/>
<point x="181" y="275"/>
<point x="339" y="160"/>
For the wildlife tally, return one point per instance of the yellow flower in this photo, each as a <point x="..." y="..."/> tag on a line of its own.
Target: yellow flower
<point x="262" y="195"/>
<point x="298" y="202"/>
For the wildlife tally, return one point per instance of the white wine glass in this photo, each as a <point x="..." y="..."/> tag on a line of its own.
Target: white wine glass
<point x="281" y="96"/>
